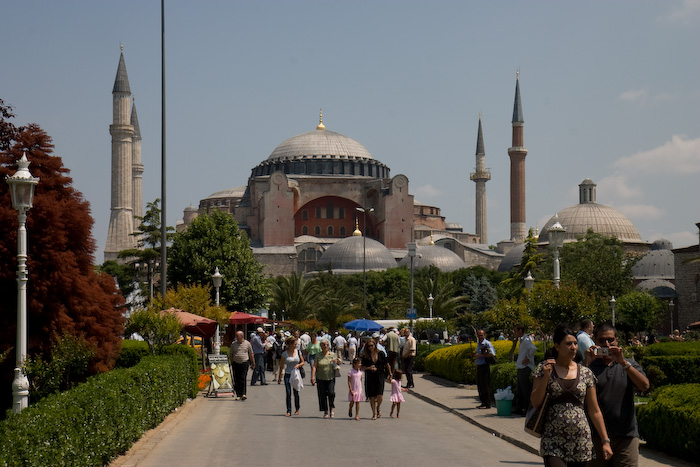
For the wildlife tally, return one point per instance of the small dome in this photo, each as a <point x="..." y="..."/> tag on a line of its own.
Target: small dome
<point x="348" y="256"/>
<point x="235" y="192"/>
<point x="319" y="143"/>
<point x="659" y="288"/>
<point x="512" y="258"/>
<point x="657" y="264"/>
<point x="661" y="244"/>
<point x="442" y="258"/>
<point x="191" y="208"/>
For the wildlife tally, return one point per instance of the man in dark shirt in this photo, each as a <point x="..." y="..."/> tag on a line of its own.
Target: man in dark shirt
<point x="618" y="379"/>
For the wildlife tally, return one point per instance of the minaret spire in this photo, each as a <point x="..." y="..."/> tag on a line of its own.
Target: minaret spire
<point x="517" y="153"/>
<point x="136" y="168"/>
<point x="480" y="176"/>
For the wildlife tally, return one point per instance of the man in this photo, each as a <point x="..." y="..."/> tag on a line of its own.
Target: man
<point x="241" y="356"/>
<point x="524" y="365"/>
<point x="484" y="350"/>
<point x="339" y="344"/>
<point x="618" y="379"/>
<point x="392" y="348"/>
<point x="352" y="346"/>
<point x="407" y="356"/>
<point x="584" y="336"/>
<point x="259" y="351"/>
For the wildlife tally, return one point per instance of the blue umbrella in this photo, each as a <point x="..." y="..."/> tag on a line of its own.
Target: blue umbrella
<point x="363" y="325"/>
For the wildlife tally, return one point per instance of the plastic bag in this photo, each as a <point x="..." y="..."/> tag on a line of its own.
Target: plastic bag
<point x="504" y="394"/>
<point x="296" y="381"/>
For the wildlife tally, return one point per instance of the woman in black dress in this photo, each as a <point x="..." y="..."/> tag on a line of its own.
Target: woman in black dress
<point x="376" y="368"/>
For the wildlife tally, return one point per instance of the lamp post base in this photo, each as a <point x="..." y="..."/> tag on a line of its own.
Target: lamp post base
<point x="20" y="391"/>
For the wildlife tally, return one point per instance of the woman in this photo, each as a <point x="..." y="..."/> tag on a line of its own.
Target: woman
<point x="291" y="360"/>
<point x="323" y="375"/>
<point x="376" y="368"/>
<point x="312" y="349"/>
<point x="566" y="440"/>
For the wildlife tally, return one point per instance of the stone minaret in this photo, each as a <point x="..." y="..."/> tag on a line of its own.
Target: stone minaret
<point x="136" y="169"/>
<point x="480" y="176"/>
<point x="121" y="219"/>
<point x="517" y="154"/>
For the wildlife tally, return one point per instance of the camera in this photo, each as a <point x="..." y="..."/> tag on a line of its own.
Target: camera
<point x="602" y="351"/>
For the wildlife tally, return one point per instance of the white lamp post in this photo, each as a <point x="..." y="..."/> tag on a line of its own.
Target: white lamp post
<point x="556" y="241"/>
<point x="612" y="307"/>
<point x="22" y="192"/>
<point x="364" y="212"/>
<point x="430" y="304"/>
<point x="217" y="278"/>
<point x="529" y="282"/>
<point x="411" y="255"/>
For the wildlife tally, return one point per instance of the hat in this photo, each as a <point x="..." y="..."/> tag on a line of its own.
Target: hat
<point x="287" y="334"/>
<point x="375" y="335"/>
<point x="259" y="330"/>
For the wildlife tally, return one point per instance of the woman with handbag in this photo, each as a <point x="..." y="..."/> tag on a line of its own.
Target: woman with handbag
<point x="566" y="385"/>
<point x="291" y="361"/>
<point x="376" y="368"/>
<point x="323" y="375"/>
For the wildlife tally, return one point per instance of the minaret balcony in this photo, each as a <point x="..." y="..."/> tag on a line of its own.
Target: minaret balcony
<point x="480" y="176"/>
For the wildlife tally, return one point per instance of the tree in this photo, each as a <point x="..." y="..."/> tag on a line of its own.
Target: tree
<point x="568" y="304"/>
<point x="639" y="311"/>
<point x="482" y="295"/>
<point x="597" y="264"/>
<point x="214" y="240"/>
<point x="447" y="298"/>
<point x="532" y="262"/>
<point x="195" y="299"/>
<point x="334" y="302"/>
<point x="294" y="297"/>
<point x="65" y="294"/>
<point x="157" y="329"/>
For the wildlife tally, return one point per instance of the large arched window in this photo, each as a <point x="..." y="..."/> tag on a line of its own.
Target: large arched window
<point x="317" y="230"/>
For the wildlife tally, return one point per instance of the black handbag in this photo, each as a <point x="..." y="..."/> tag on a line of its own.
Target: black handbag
<point x="535" y="417"/>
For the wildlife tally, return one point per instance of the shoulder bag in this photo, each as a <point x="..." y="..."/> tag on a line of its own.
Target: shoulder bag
<point x="535" y="417"/>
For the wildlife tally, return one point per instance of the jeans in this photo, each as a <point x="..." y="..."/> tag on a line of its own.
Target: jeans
<point x="288" y="389"/>
<point x="326" y="394"/>
<point x="240" y="373"/>
<point x="259" y="370"/>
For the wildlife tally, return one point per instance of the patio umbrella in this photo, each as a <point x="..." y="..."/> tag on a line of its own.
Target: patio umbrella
<point x="363" y="325"/>
<point x="238" y="317"/>
<point x="194" y="324"/>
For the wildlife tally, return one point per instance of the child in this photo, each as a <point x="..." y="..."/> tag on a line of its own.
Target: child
<point x="396" y="396"/>
<point x="355" y="396"/>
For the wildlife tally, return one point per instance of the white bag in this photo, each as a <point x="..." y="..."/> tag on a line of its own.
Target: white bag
<point x="296" y="381"/>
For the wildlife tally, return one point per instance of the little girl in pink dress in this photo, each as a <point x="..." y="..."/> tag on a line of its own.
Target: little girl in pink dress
<point x="355" y="395"/>
<point x="396" y="396"/>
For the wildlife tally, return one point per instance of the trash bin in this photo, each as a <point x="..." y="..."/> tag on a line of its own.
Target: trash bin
<point x="504" y="407"/>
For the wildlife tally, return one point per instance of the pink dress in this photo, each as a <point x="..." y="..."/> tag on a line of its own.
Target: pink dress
<point x="356" y="385"/>
<point x="396" y="395"/>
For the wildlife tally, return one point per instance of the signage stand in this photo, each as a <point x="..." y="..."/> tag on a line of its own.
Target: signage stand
<point x="221" y="377"/>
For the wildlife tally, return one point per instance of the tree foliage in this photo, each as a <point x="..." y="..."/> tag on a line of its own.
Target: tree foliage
<point x="214" y="240"/>
<point x="194" y="299"/>
<point x="293" y="296"/>
<point x="568" y="304"/>
<point x="639" y="311"/>
<point x="157" y="329"/>
<point x="65" y="294"/>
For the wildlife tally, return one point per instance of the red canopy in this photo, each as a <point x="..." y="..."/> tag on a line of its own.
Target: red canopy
<point x="238" y="317"/>
<point x="194" y="324"/>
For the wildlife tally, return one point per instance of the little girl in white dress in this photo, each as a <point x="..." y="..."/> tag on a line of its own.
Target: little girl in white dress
<point x="355" y="394"/>
<point x="396" y="396"/>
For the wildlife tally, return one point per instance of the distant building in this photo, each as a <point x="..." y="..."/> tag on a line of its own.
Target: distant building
<point x="687" y="272"/>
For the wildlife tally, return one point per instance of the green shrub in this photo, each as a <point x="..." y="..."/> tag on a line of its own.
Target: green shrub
<point x="673" y="410"/>
<point x="455" y="363"/>
<point x="656" y="376"/>
<point x="504" y="375"/>
<point x="193" y="358"/>
<point x="678" y="369"/>
<point x="95" y="421"/>
<point x="673" y="348"/>
<point x="131" y="354"/>
<point x="422" y="351"/>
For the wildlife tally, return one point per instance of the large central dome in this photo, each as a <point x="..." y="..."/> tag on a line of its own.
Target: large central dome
<point x="319" y="144"/>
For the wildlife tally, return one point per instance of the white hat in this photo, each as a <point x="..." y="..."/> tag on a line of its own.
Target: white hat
<point x="375" y="335"/>
<point x="259" y="330"/>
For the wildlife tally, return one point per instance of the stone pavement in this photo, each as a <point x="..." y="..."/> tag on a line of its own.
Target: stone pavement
<point x="460" y="400"/>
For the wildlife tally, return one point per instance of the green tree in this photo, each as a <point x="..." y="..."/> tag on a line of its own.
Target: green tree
<point x="294" y="297"/>
<point x="482" y="295"/>
<point x="214" y="240"/>
<point x="507" y="313"/>
<point x="447" y="297"/>
<point x="334" y="302"/>
<point x="598" y="264"/>
<point x="639" y="311"/>
<point x="157" y="329"/>
<point x="194" y="299"/>
<point x="533" y="261"/>
<point x="568" y="304"/>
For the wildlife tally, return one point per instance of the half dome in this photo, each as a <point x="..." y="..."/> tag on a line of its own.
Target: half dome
<point x="349" y="255"/>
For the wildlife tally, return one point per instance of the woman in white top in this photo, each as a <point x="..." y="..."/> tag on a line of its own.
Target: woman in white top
<point x="291" y="360"/>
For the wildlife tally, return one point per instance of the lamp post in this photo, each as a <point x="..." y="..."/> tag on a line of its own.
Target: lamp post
<point x="364" y="212"/>
<point x="430" y="304"/>
<point x="612" y="307"/>
<point x="217" y="278"/>
<point x="671" y="306"/>
<point x="556" y="241"/>
<point x="22" y="192"/>
<point x="529" y="282"/>
<point x="411" y="255"/>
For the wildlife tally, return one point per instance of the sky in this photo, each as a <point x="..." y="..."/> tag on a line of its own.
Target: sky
<point x="609" y="92"/>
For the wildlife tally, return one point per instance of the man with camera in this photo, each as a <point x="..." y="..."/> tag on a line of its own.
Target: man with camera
<point x="618" y="379"/>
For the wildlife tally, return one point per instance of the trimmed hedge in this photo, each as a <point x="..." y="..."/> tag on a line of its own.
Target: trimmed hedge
<point x="675" y="369"/>
<point x="422" y="351"/>
<point x="674" y="410"/>
<point x="456" y="362"/>
<point x="131" y="354"/>
<point x="99" y="419"/>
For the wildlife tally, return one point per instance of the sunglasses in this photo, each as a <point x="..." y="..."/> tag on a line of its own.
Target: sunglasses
<point x="608" y="340"/>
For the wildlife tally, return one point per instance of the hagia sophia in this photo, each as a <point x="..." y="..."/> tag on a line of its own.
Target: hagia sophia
<point x="321" y="201"/>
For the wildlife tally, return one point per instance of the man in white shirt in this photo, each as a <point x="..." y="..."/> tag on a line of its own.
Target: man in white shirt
<point x="524" y="366"/>
<point x="339" y="344"/>
<point x="408" y="354"/>
<point x="584" y="337"/>
<point x="352" y="346"/>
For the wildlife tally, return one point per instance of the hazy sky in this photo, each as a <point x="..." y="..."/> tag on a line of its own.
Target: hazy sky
<point x="609" y="92"/>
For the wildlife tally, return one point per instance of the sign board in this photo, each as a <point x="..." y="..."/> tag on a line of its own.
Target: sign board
<point x="221" y="378"/>
<point x="411" y="313"/>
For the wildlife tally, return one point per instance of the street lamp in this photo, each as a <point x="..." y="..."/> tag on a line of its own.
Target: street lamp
<point x="529" y="282"/>
<point x="364" y="212"/>
<point x="612" y="307"/>
<point x="411" y="255"/>
<point x="671" y="306"/>
<point x="430" y="304"/>
<point x="22" y="192"/>
<point x="556" y="241"/>
<point x="217" y="278"/>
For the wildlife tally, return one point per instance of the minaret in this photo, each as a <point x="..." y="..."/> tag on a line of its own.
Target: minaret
<point x="480" y="176"/>
<point x="121" y="219"/>
<point x="517" y="154"/>
<point x="136" y="169"/>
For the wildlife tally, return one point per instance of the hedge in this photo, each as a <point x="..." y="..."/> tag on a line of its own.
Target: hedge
<point x="672" y="369"/>
<point x="456" y="362"/>
<point x="671" y="421"/>
<point x="131" y="354"/>
<point x="99" y="419"/>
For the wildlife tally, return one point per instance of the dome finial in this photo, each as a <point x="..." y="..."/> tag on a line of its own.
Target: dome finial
<point x="320" y="126"/>
<point x="357" y="232"/>
<point x="431" y="238"/>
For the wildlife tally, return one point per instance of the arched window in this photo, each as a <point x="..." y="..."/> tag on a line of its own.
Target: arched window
<point x="330" y="230"/>
<point x="318" y="212"/>
<point x="342" y="231"/>
<point x="305" y="230"/>
<point x="317" y="230"/>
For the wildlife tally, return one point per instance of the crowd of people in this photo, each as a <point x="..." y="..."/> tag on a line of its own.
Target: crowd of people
<point x="380" y="359"/>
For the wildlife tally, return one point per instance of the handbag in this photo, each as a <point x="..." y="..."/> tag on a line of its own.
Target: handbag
<point x="296" y="381"/>
<point x="302" y="373"/>
<point x="491" y="360"/>
<point x="336" y="369"/>
<point x="535" y="417"/>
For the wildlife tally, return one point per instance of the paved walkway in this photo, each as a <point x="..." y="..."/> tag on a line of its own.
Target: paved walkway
<point x="460" y="400"/>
